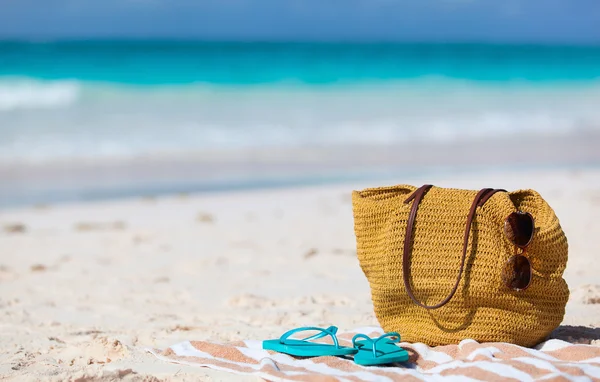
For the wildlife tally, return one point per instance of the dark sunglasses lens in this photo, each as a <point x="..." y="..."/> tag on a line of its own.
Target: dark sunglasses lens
<point x="519" y="228"/>
<point x="517" y="272"/>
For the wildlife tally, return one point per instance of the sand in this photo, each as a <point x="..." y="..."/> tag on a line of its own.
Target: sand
<point x="85" y="288"/>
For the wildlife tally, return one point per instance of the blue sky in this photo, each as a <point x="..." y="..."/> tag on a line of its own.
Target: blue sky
<point x="432" y="20"/>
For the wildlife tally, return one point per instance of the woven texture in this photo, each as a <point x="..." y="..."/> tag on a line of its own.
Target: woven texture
<point x="483" y="308"/>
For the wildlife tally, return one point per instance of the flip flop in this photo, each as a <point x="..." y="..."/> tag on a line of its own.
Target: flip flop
<point x="305" y="348"/>
<point x="378" y="351"/>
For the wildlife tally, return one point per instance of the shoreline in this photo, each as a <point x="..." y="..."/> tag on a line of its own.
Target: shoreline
<point x="214" y="171"/>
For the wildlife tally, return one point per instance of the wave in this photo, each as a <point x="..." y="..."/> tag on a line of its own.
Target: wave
<point x="35" y="94"/>
<point x="51" y="120"/>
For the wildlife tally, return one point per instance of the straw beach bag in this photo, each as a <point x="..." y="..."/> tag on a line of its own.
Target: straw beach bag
<point x="447" y="264"/>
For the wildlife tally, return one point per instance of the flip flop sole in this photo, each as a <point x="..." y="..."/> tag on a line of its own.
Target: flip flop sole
<point x="307" y="349"/>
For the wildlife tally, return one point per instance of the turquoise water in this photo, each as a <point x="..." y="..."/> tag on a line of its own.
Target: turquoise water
<point x="156" y="62"/>
<point x="106" y="99"/>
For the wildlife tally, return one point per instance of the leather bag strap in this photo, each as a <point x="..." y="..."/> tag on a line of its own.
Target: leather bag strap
<point x="482" y="196"/>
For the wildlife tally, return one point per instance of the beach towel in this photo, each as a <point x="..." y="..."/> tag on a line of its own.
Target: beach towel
<point x="553" y="360"/>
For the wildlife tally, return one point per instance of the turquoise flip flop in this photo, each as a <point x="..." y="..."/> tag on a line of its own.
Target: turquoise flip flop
<point x="378" y="351"/>
<point x="305" y="348"/>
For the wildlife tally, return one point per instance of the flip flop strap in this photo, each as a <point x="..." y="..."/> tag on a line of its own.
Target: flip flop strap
<point x="330" y="331"/>
<point x="360" y="336"/>
<point x="375" y="341"/>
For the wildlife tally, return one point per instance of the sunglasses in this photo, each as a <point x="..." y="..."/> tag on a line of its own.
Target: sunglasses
<point x="517" y="272"/>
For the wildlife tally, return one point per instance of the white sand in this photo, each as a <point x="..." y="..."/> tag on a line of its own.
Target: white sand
<point x="85" y="288"/>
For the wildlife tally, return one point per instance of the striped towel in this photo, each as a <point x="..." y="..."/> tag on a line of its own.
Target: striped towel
<point x="553" y="360"/>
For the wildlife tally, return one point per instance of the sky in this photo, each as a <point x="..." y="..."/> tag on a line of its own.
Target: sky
<point x="521" y="21"/>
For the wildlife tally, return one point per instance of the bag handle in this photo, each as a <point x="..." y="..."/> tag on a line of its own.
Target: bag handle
<point x="482" y="196"/>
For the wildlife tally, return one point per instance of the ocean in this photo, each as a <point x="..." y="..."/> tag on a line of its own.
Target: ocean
<point x="130" y="99"/>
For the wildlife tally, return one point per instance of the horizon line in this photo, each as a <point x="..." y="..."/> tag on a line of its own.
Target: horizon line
<point x="173" y="39"/>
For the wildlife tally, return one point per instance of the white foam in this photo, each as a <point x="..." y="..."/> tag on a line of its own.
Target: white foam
<point x="30" y="94"/>
<point x="45" y="120"/>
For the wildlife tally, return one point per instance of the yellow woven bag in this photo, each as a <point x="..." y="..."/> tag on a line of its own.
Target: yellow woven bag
<point x="434" y="259"/>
